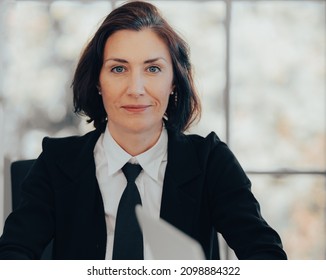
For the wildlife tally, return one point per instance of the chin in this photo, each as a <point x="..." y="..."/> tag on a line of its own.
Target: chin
<point x="140" y="127"/>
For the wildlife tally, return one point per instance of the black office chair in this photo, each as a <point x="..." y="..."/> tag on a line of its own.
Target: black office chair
<point x="18" y="171"/>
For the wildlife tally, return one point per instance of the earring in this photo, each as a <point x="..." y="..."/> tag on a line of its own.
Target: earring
<point x="100" y="93"/>
<point x="175" y="96"/>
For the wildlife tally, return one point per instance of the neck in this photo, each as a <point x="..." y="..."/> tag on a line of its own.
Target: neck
<point x="135" y="143"/>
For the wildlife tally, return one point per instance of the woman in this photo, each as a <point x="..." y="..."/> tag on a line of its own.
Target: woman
<point x="134" y="82"/>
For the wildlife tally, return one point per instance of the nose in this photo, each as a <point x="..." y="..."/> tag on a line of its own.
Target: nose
<point x="136" y="84"/>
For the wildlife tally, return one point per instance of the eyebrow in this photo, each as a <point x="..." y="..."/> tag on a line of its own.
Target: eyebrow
<point x="126" y="61"/>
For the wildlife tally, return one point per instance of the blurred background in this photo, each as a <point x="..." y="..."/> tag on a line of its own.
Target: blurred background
<point x="260" y="68"/>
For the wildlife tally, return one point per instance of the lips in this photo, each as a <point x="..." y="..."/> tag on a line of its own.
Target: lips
<point x="135" y="108"/>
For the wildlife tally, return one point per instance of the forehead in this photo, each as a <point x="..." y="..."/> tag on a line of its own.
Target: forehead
<point x="131" y="45"/>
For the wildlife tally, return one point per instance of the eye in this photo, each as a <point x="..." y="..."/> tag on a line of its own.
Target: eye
<point x="118" y="69"/>
<point x="153" y="69"/>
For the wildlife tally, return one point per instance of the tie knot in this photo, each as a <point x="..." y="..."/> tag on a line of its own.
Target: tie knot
<point x="131" y="171"/>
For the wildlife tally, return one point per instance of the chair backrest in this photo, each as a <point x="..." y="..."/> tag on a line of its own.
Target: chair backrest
<point x="18" y="171"/>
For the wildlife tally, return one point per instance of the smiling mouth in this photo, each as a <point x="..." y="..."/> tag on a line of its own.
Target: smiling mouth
<point x="135" y="108"/>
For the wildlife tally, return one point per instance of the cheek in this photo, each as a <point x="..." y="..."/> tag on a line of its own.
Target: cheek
<point x="164" y="100"/>
<point x="110" y="92"/>
<point x="108" y="101"/>
<point x="163" y="91"/>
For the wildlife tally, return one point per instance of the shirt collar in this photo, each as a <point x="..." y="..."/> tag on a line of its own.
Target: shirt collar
<point x="150" y="160"/>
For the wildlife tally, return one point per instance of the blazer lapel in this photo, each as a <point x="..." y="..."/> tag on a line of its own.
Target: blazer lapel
<point x="180" y="187"/>
<point x="81" y="185"/>
<point x="80" y="165"/>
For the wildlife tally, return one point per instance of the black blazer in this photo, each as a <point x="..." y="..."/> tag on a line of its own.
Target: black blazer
<point x="205" y="190"/>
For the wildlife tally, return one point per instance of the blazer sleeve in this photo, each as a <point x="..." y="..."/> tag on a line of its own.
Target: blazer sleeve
<point x="235" y="211"/>
<point x="30" y="227"/>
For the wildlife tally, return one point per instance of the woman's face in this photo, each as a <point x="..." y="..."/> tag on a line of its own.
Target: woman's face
<point x="136" y="81"/>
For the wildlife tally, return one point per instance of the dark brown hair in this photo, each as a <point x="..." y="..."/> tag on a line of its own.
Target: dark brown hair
<point x="136" y="15"/>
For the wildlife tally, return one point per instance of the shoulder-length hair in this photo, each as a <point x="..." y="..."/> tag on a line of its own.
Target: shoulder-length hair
<point x="183" y="107"/>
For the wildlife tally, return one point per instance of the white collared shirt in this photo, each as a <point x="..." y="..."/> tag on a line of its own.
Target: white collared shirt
<point x="109" y="159"/>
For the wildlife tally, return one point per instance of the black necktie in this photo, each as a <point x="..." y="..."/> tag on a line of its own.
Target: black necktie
<point x="128" y="238"/>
